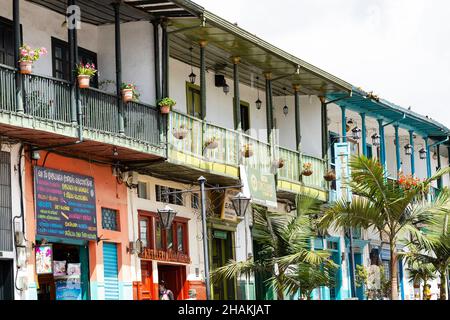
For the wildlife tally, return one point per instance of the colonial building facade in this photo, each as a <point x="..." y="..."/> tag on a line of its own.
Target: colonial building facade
<point x="84" y="173"/>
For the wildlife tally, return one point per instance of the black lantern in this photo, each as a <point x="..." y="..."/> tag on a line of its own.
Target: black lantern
<point x="408" y="149"/>
<point x="356" y="133"/>
<point x="226" y="88"/>
<point x="240" y="204"/>
<point x="192" y="76"/>
<point x="286" y="110"/>
<point x="166" y="217"/>
<point x="258" y="104"/>
<point x="376" y="140"/>
<point x="423" y="154"/>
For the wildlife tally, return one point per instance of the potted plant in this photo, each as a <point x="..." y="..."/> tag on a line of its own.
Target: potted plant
<point x="330" y="176"/>
<point x="84" y="73"/>
<point x="247" y="150"/>
<point x="181" y="132"/>
<point x="278" y="163"/>
<point x="307" y="169"/>
<point x="166" y="104"/>
<point x="129" y="92"/>
<point x="27" y="56"/>
<point x="211" y="143"/>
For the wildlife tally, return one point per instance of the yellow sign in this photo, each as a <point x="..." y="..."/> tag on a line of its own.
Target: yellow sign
<point x="228" y="212"/>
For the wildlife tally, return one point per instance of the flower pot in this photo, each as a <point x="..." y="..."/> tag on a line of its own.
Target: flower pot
<point x="127" y="95"/>
<point x="165" y="109"/>
<point x="307" y="172"/>
<point x="278" y="163"/>
<point x="212" y="145"/>
<point x="180" y="133"/>
<point x="83" y="81"/>
<point x="248" y="151"/>
<point x="330" y="176"/>
<point x="26" y="67"/>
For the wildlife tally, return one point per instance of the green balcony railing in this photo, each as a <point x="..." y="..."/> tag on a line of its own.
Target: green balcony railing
<point x="290" y="170"/>
<point x="7" y="88"/>
<point x="318" y="167"/>
<point x="142" y="122"/>
<point x="99" y="110"/>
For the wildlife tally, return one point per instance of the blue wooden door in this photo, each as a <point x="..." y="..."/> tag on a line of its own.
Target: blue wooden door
<point x="111" y="271"/>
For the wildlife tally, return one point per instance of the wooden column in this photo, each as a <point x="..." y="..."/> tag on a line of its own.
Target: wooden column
<point x="17" y="44"/>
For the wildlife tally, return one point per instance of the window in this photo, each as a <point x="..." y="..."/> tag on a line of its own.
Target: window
<point x="195" y="201"/>
<point x="144" y="231"/>
<point x="6" y="42"/>
<point x="60" y="58"/>
<point x="245" y="116"/>
<point x="369" y="151"/>
<point x="176" y="199"/>
<point x="142" y="190"/>
<point x="110" y="219"/>
<point x="193" y="100"/>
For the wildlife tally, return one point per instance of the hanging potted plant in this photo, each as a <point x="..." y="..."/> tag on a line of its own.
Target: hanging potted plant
<point x="84" y="73"/>
<point x="27" y="56"/>
<point x="307" y="169"/>
<point x="166" y="105"/>
<point x="129" y="92"/>
<point x="181" y="132"/>
<point x="278" y="163"/>
<point x="211" y="143"/>
<point x="330" y="176"/>
<point x="247" y="151"/>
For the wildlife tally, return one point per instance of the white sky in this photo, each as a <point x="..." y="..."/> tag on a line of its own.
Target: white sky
<point x="400" y="49"/>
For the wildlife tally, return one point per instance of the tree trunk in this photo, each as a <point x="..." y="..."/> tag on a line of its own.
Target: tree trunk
<point x="443" y="289"/>
<point x="425" y="284"/>
<point x="394" y="271"/>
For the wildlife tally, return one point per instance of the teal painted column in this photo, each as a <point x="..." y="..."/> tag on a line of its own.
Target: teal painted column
<point x="438" y="152"/>
<point x="382" y="144"/>
<point x="411" y="142"/>
<point x="364" y="133"/>
<point x="324" y="123"/>
<point x="397" y="150"/>
<point x="344" y="124"/>
<point x="427" y="148"/>
<point x="237" y="97"/>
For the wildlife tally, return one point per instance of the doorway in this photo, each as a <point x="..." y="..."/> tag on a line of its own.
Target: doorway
<point x="359" y="290"/>
<point x="175" y="279"/>
<point x="6" y="280"/>
<point x="222" y="252"/>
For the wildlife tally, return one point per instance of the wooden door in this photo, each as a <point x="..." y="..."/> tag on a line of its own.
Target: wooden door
<point x="147" y="281"/>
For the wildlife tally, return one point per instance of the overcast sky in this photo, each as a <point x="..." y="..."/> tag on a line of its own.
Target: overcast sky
<point x="400" y="49"/>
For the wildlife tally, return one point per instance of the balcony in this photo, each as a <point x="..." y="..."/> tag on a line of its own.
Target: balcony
<point x="47" y="109"/>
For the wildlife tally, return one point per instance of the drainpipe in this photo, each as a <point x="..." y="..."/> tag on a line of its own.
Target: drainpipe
<point x="203" y="44"/>
<point x="165" y="48"/>
<point x="118" y="46"/>
<point x="237" y="98"/>
<point x="364" y="133"/>
<point x="79" y="110"/>
<point x="344" y="124"/>
<point x="17" y="44"/>
<point x="411" y="142"/>
<point x="269" y="111"/>
<point x="325" y="133"/>
<point x="156" y="48"/>
<point x="72" y="63"/>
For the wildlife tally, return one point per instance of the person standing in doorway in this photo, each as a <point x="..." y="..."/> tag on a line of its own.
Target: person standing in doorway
<point x="164" y="293"/>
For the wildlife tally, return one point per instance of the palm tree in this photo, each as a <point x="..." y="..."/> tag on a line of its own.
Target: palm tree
<point x="308" y="277"/>
<point x="418" y="273"/>
<point x="435" y="251"/>
<point x="393" y="210"/>
<point x="285" y="241"/>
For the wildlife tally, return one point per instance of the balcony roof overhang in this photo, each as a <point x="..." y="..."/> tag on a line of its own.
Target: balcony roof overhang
<point x="383" y="109"/>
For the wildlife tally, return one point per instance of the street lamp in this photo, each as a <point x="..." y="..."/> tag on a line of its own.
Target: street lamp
<point x="356" y="133"/>
<point x="166" y="217"/>
<point x="408" y="149"/>
<point x="240" y="204"/>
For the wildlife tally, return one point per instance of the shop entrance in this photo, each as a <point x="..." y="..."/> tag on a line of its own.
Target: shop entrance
<point x="222" y="252"/>
<point x="70" y="277"/>
<point x="6" y="280"/>
<point x="175" y="278"/>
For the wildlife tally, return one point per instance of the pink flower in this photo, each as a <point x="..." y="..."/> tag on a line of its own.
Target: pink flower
<point x="23" y="52"/>
<point x="43" y="51"/>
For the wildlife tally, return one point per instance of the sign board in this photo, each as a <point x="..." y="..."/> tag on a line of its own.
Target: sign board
<point x="44" y="259"/>
<point x="65" y="205"/>
<point x="228" y="213"/>
<point x="68" y="289"/>
<point x="261" y="186"/>
<point x="219" y="234"/>
<point x="342" y="152"/>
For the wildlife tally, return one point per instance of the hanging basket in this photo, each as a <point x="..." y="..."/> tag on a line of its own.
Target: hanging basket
<point x="127" y="95"/>
<point x="211" y="144"/>
<point x="180" y="133"/>
<point x="83" y="81"/>
<point x="330" y="176"/>
<point x="307" y="172"/>
<point x="247" y="151"/>
<point x="26" y="67"/>
<point x="165" y="109"/>
<point x="278" y="163"/>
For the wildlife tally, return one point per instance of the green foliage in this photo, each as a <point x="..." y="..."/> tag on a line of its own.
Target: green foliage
<point x="133" y="87"/>
<point x="167" y="102"/>
<point x="86" y="69"/>
<point x="26" y="53"/>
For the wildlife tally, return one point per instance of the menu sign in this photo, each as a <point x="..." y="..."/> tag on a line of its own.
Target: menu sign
<point x="65" y="204"/>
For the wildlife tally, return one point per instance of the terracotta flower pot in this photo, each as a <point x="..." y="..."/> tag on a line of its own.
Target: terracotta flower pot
<point x="307" y="172"/>
<point x="26" y="67"/>
<point x="330" y="176"/>
<point x="83" y="81"/>
<point x="248" y="151"/>
<point x="212" y="144"/>
<point x="165" y="109"/>
<point x="278" y="163"/>
<point x="127" y="95"/>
